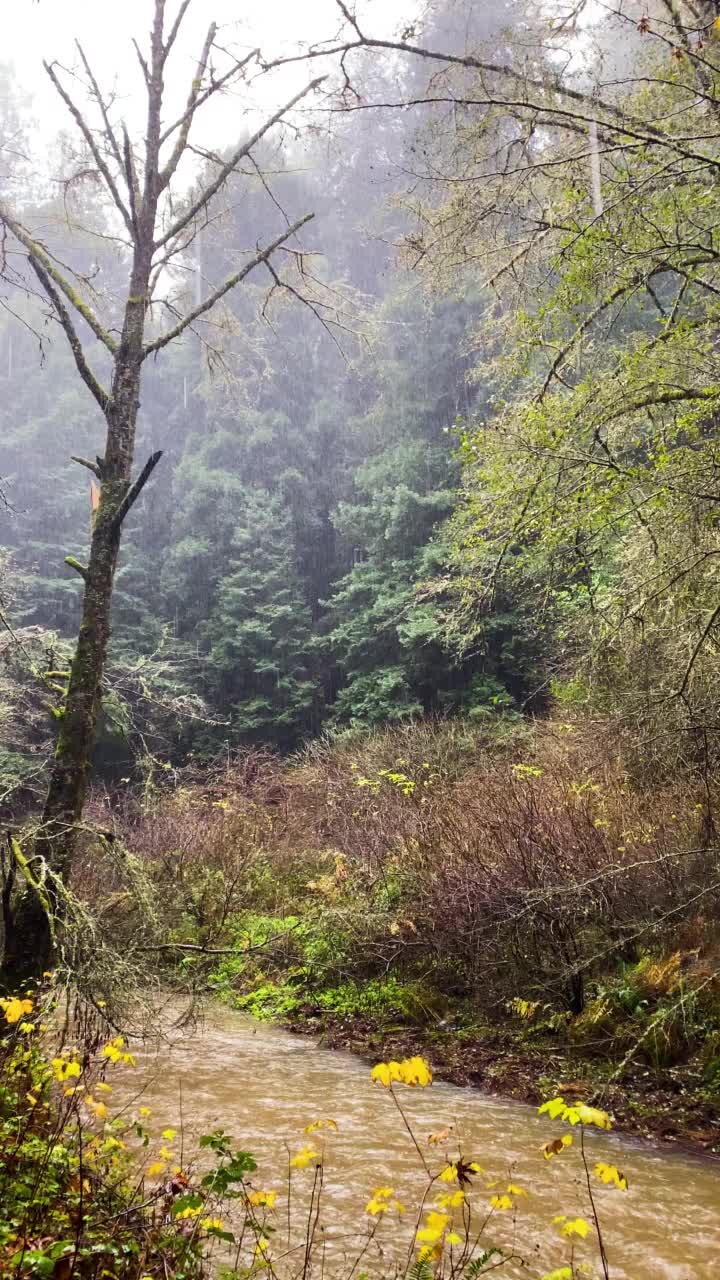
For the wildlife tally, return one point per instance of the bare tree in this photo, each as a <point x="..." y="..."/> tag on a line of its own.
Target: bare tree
<point x="157" y="222"/>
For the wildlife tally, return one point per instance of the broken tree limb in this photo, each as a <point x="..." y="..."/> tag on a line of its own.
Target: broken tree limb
<point x="136" y="489"/>
<point x="85" y="462"/>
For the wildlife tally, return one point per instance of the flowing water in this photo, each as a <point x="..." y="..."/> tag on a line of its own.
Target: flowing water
<point x="263" y="1085"/>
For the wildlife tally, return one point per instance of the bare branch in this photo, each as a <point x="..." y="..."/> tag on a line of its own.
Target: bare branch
<point x="206" y="196"/>
<point x="213" y="87"/>
<point x="87" y="134"/>
<point x="63" y="315"/>
<point x="109" y="131"/>
<point x="226" y="286"/>
<point x="37" y="254"/>
<point x="172" y="35"/>
<point x="85" y="462"/>
<point x="195" y="88"/>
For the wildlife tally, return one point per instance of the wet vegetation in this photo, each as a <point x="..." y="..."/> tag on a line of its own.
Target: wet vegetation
<point x="358" y="611"/>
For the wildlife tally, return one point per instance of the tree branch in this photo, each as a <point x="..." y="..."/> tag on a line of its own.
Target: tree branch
<point x="109" y="131"/>
<point x="135" y="490"/>
<point x="63" y="315"/>
<point x="38" y="254"/>
<point x="206" y="196"/>
<point x="85" y="462"/>
<point x="87" y="134"/>
<point x="165" y="176"/>
<point x="226" y="286"/>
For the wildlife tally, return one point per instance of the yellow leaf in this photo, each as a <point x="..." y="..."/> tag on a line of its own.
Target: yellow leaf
<point x="434" y="1139"/>
<point x="189" y="1212"/>
<point x="265" y="1199"/>
<point x="452" y="1199"/>
<point x="15" y="1008"/>
<point x="555" y="1147"/>
<point x="575" y="1227"/>
<point x="502" y="1203"/>
<point x="554" y="1108"/>
<point x="608" y="1173"/>
<point x="64" y="1070"/>
<point x="415" y="1071"/>
<point x="376" y="1207"/>
<point x="307" y="1156"/>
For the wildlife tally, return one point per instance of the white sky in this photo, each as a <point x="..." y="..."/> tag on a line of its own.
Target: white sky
<point x="34" y="30"/>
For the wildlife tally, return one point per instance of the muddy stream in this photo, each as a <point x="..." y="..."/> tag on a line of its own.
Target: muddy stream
<point x="262" y="1085"/>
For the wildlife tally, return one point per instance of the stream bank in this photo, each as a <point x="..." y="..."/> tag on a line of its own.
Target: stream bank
<point x="669" y="1106"/>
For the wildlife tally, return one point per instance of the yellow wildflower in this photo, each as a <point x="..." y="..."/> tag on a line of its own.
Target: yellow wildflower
<point x="27" y="1028"/>
<point x="31" y="1099"/>
<point x="156" y="1168"/>
<point x="168" y="1134"/>
<point x="212" y="1224"/>
<point x="98" y="1108"/>
<point x="101" y="1087"/>
<point x="166" y="1153"/>
<point x="449" y="1173"/>
<point x="144" y="1112"/>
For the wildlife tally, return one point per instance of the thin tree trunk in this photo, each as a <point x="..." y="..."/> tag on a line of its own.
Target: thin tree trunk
<point x="30" y="929"/>
<point x="30" y="937"/>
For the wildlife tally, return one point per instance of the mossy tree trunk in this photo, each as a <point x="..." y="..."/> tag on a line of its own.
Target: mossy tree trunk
<point x="156" y="235"/>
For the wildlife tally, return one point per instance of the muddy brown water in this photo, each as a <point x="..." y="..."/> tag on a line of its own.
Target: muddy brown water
<point x="263" y="1085"/>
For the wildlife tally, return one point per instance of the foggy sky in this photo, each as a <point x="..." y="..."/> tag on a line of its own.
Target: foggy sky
<point x="46" y="29"/>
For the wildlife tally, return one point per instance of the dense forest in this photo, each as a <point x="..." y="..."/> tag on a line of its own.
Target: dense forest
<point x="359" y="621"/>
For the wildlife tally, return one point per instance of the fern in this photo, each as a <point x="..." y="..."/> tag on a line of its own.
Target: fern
<point x="476" y="1267"/>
